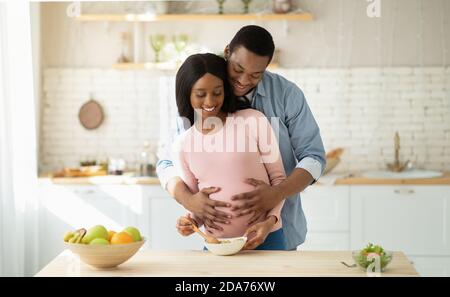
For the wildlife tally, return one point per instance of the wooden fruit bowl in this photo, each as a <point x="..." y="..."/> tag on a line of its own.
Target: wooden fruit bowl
<point x="105" y="256"/>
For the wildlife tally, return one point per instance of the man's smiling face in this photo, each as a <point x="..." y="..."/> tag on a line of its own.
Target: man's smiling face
<point x="245" y="69"/>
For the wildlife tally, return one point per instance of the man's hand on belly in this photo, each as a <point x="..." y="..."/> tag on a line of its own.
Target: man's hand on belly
<point x="258" y="201"/>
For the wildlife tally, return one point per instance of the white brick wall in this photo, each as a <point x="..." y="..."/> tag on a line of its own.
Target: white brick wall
<point x="358" y="109"/>
<point x="361" y="108"/>
<point x="131" y="105"/>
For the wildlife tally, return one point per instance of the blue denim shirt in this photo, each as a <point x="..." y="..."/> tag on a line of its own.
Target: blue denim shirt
<point x="299" y="140"/>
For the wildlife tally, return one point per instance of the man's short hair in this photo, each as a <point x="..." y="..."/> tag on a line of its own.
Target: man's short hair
<point x="255" y="39"/>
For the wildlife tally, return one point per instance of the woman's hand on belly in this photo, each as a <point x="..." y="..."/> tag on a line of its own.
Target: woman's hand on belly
<point x="201" y="205"/>
<point x="236" y="228"/>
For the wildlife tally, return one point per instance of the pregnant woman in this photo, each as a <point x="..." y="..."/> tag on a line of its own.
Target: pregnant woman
<point x="222" y="146"/>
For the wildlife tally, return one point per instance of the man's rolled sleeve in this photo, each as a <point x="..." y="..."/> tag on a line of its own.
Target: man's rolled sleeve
<point x="166" y="168"/>
<point x="166" y="171"/>
<point x="304" y="133"/>
<point x="311" y="165"/>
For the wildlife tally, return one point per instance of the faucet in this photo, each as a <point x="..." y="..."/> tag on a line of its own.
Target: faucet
<point x="397" y="166"/>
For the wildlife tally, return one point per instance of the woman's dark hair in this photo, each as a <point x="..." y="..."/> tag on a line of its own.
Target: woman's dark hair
<point x="195" y="67"/>
<point x="255" y="39"/>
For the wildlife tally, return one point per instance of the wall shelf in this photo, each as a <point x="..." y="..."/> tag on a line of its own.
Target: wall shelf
<point x="194" y="17"/>
<point x="145" y="66"/>
<point x="161" y="66"/>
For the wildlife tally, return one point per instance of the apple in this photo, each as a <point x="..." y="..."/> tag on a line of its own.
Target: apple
<point x="134" y="232"/>
<point x="99" y="241"/>
<point x="95" y="232"/>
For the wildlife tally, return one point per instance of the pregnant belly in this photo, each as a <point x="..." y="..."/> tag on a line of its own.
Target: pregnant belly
<point x="236" y="228"/>
<point x="238" y="225"/>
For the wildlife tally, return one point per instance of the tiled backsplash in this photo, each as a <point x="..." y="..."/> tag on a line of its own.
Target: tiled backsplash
<point x="130" y="101"/>
<point x="358" y="109"/>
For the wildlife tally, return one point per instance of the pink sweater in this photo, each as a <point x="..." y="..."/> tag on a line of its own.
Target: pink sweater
<point x="246" y="147"/>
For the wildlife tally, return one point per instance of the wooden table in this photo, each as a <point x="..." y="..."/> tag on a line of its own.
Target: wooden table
<point x="244" y="264"/>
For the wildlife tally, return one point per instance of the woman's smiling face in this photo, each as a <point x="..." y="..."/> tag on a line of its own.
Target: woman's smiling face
<point x="207" y="96"/>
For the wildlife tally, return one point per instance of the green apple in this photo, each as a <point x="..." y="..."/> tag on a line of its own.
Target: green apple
<point x="95" y="232"/>
<point x="99" y="241"/>
<point x="134" y="232"/>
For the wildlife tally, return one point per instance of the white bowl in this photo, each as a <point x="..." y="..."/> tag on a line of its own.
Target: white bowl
<point x="231" y="246"/>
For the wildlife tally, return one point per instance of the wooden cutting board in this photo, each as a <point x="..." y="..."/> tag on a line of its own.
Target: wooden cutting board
<point x="247" y="263"/>
<point x="81" y="172"/>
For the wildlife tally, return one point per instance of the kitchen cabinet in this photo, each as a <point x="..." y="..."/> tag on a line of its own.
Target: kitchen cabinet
<point x="327" y="215"/>
<point x="326" y="208"/>
<point x="413" y="219"/>
<point x="431" y="266"/>
<point x="164" y="212"/>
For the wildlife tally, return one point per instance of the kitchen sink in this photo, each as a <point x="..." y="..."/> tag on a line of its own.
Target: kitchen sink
<point x="408" y="174"/>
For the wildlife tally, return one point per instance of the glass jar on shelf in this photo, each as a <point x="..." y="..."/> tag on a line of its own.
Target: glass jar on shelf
<point x="282" y="6"/>
<point x="147" y="160"/>
<point x="220" y="3"/>
<point x="157" y="42"/>
<point x="180" y="42"/>
<point x="125" y="47"/>
<point x="246" y="5"/>
<point x="116" y="166"/>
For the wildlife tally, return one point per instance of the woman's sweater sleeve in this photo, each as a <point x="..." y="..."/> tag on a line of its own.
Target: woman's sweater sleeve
<point x="188" y="177"/>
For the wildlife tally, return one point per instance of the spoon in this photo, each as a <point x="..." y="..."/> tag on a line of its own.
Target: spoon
<point x="208" y="238"/>
<point x="349" y="266"/>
